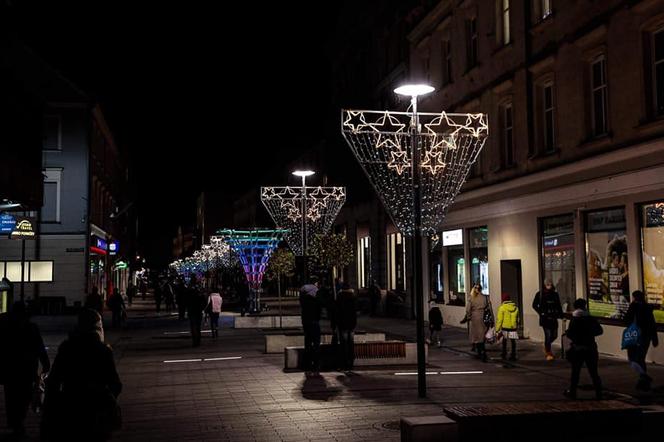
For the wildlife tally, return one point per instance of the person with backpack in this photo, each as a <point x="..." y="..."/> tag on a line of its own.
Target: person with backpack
<point x="435" y="324"/>
<point x="507" y="323"/>
<point x="548" y="307"/>
<point x="641" y="314"/>
<point x="582" y="331"/>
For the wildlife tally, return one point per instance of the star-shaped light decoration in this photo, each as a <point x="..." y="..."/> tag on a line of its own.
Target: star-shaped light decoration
<point x="389" y="130"/>
<point x="399" y="161"/>
<point x="355" y="121"/>
<point x="433" y="160"/>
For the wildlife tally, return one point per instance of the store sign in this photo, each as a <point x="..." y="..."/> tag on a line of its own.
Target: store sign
<point x="7" y="223"/>
<point x="113" y="247"/>
<point x="452" y="237"/>
<point x="100" y="243"/>
<point x="24" y="228"/>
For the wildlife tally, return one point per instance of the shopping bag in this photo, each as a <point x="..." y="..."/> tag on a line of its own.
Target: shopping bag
<point x="631" y="336"/>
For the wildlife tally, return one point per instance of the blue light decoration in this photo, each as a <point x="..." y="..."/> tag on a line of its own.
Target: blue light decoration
<point x="253" y="247"/>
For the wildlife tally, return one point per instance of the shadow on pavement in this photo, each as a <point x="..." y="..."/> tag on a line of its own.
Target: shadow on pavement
<point x="315" y="388"/>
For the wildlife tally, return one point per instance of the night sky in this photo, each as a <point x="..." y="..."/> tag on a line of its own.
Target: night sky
<point x="193" y="98"/>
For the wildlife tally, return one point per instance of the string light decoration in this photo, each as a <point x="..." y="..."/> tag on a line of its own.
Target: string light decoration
<point x="321" y="206"/>
<point x="448" y="145"/>
<point x="253" y="248"/>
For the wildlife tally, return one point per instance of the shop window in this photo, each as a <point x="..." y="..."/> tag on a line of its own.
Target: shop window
<point x="478" y="240"/>
<point x="363" y="261"/>
<point x="456" y="270"/>
<point x="557" y="244"/>
<point x="607" y="267"/>
<point x="396" y="262"/>
<point x="652" y="251"/>
<point x="436" y="269"/>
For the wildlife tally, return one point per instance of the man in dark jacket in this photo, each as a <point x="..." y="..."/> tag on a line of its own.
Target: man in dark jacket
<point x="547" y="305"/>
<point x="346" y="323"/>
<point x="641" y="312"/>
<point x="22" y="350"/>
<point x="582" y="331"/>
<point x="310" y="310"/>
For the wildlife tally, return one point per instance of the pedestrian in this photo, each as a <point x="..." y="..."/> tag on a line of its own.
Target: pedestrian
<point x="243" y="295"/>
<point x="507" y="324"/>
<point x="131" y="293"/>
<point x="475" y="315"/>
<point x="144" y="289"/>
<point x="547" y="305"/>
<point x="117" y="306"/>
<point x="169" y="295"/>
<point x="83" y="386"/>
<point x="94" y="301"/>
<point x="310" y="310"/>
<point x="195" y="306"/>
<point x="641" y="313"/>
<point x="21" y="351"/>
<point x="581" y="332"/>
<point x="213" y="309"/>
<point x="158" y="295"/>
<point x="180" y="298"/>
<point x="435" y="324"/>
<point x="326" y="297"/>
<point x="374" y="297"/>
<point x="346" y="322"/>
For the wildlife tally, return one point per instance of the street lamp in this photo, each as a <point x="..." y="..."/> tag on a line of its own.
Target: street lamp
<point x="304" y="174"/>
<point x="417" y="170"/>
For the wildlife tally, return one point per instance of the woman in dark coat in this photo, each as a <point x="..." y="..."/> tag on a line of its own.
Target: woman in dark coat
<point x="641" y="312"/>
<point x="582" y="331"/>
<point x="83" y="386"/>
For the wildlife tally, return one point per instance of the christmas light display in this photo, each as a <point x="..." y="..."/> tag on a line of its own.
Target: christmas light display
<point x="448" y="146"/>
<point x="286" y="204"/>
<point x="253" y="248"/>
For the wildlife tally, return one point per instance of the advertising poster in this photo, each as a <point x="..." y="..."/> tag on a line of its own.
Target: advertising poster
<point x="653" y="257"/>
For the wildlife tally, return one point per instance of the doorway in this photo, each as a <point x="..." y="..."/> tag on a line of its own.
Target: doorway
<point x="510" y="283"/>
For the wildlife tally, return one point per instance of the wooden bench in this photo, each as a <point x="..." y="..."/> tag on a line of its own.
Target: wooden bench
<point x="366" y="354"/>
<point x="551" y="420"/>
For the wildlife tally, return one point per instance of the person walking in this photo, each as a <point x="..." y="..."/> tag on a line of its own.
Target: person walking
<point x="21" y="351"/>
<point x="131" y="293"/>
<point x="507" y="323"/>
<point x="582" y="331"/>
<point x="547" y="305"/>
<point x="83" y="386"/>
<point x="213" y="309"/>
<point x="117" y="306"/>
<point x="346" y="322"/>
<point x="475" y="315"/>
<point x="641" y="313"/>
<point x="435" y="324"/>
<point x="195" y="306"/>
<point x="169" y="295"/>
<point x="158" y="295"/>
<point x="180" y="298"/>
<point x="94" y="301"/>
<point x="310" y="311"/>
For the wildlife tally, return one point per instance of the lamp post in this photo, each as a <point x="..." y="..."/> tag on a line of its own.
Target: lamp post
<point x="304" y="174"/>
<point x="416" y="173"/>
<point x="414" y="91"/>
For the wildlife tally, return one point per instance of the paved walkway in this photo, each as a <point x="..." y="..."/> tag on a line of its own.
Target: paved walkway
<point x="230" y="390"/>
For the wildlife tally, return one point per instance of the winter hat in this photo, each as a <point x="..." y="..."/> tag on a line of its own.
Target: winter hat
<point x="504" y="296"/>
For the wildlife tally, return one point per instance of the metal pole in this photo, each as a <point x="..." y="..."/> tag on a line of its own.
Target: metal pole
<point x="22" y="270"/>
<point x="417" y="254"/>
<point x="304" y="227"/>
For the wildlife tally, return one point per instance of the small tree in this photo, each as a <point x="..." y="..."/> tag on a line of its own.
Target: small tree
<point x="330" y="251"/>
<point x="282" y="263"/>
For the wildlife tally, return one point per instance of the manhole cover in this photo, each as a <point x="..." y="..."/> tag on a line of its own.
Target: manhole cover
<point x="389" y="426"/>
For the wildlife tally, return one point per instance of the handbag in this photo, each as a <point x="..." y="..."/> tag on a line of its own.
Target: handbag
<point x="631" y="336"/>
<point x="490" y="336"/>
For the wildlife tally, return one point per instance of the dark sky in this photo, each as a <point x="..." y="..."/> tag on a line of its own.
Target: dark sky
<point x="195" y="91"/>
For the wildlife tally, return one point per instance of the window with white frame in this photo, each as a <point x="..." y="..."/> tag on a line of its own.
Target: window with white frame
<point x="396" y="262"/>
<point x="658" y="70"/>
<point x="507" y="118"/>
<point x="50" y="212"/>
<point x="363" y="261"/>
<point x="599" y="96"/>
<point x="548" y="114"/>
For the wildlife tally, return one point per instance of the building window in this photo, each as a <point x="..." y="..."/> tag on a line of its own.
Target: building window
<point x="658" y="71"/>
<point x="542" y="9"/>
<point x="471" y="42"/>
<point x="652" y="251"/>
<point x="396" y="262"/>
<point x="607" y="271"/>
<point x="456" y="270"/>
<point x="52" y="132"/>
<point x="446" y="49"/>
<point x="363" y="261"/>
<point x="50" y="212"/>
<point x="548" y="118"/>
<point x="599" y="96"/>
<point x="507" y="120"/>
<point x="557" y="244"/>
<point x="478" y="240"/>
<point x="503" y="35"/>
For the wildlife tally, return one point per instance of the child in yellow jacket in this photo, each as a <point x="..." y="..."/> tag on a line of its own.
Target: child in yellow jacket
<point x="507" y="323"/>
